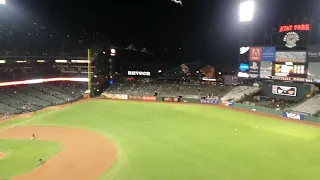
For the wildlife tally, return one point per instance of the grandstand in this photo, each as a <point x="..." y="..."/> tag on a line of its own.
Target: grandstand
<point x="166" y="89"/>
<point x="310" y="106"/>
<point x="30" y="98"/>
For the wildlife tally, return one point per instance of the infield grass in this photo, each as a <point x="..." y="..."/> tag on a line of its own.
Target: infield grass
<point x="21" y="156"/>
<point x="187" y="142"/>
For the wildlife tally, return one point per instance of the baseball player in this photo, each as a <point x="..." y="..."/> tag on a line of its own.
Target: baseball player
<point x="33" y="137"/>
<point x="40" y="162"/>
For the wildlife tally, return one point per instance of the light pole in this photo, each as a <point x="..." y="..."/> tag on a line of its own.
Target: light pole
<point x="246" y="13"/>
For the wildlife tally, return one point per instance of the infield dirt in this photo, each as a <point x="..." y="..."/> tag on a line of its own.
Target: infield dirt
<point x="86" y="155"/>
<point x="1" y="155"/>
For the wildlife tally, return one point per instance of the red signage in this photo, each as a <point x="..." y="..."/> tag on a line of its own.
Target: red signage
<point x="296" y="27"/>
<point x="149" y="98"/>
<point x="255" y="54"/>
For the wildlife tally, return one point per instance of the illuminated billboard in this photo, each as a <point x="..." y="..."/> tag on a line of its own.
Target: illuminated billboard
<point x="295" y="27"/>
<point x="291" y="56"/>
<point x="290" y="69"/>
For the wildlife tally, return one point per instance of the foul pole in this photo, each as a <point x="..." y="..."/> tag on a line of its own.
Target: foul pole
<point x="89" y="72"/>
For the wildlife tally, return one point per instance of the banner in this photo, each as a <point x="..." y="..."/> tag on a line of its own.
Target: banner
<point x="291" y="56"/>
<point x="255" y="54"/>
<point x="209" y="101"/>
<point x="284" y="90"/>
<point x="135" y="97"/>
<point x="149" y="98"/>
<point x="254" y="69"/>
<point x="268" y="53"/>
<point x="170" y="99"/>
<point x="114" y="96"/>
<point x="313" y="53"/>
<point x="293" y="116"/>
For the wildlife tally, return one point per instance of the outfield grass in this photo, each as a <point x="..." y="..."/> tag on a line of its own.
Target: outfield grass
<point x="21" y="155"/>
<point x="174" y="141"/>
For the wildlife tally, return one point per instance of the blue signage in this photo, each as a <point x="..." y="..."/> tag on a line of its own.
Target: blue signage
<point x="244" y="67"/>
<point x="268" y="53"/>
<point x="293" y="115"/>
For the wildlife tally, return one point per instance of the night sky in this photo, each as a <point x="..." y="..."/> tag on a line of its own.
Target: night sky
<point x="205" y="30"/>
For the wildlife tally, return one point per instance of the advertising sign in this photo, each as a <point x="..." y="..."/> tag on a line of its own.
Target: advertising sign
<point x="149" y="98"/>
<point x="268" y="53"/>
<point x="290" y="69"/>
<point x="254" y="69"/>
<point x="244" y="50"/>
<point x="170" y="99"/>
<point x="135" y="97"/>
<point x="291" y="56"/>
<point x="114" y="96"/>
<point x="139" y="73"/>
<point x="284" y="90"/>
<point x="209" y="101"/>
<point x="293" y="116"/>
<point x="226" y="103"/>
<point x="243" y="67"/>
<point x="299" y="79"/>
<point x="255" y="54"/>
<point x="313" y="53"/>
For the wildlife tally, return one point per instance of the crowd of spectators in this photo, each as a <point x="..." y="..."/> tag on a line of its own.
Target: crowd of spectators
<point x="167" y="89"/>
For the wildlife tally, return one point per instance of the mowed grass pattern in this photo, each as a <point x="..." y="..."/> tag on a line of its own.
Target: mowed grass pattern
<point x="182" y="141"/>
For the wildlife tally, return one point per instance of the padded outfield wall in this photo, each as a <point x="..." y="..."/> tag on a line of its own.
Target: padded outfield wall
<point x="289" y="115"/>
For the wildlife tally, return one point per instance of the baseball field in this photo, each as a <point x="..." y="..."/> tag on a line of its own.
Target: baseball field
<point x="122" y="140"/>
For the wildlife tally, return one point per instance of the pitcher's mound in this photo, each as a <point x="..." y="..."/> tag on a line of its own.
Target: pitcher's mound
<point x="1" y="155"/>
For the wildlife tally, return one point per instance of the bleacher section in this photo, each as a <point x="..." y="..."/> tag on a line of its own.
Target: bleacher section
<point x="310" y="106"/>
<point x="240" y="92"/>
<point x="136" y="88"/>
<point x="20" y="99"/>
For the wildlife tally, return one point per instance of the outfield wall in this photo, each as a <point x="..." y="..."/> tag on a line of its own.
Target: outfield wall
<point x="213" y="101"/>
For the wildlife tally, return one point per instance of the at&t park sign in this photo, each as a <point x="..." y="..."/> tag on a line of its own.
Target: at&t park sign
<point x="295" y="27"/>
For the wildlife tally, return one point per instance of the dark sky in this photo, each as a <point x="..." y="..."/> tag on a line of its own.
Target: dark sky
<point x="205" y="30"/>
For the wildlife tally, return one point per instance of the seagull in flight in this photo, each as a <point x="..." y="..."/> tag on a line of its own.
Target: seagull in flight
<point x="177" y="2"/>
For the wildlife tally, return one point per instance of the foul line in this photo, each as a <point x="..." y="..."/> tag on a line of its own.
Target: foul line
<point x="44" y="112"/>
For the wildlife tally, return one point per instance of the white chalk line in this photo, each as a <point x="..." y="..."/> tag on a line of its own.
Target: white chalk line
<point x="29" y="120"/>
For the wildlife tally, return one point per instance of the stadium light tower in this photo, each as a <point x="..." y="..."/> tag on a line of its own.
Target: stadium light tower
<point x="246" y="11"/>
<point x="2" y="2"/>
<point x="246" y="15"/>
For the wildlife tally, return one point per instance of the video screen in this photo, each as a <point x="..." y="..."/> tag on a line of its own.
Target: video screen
<point x="290" y="69"/>
<point x="265" y="69"/>
<point x="314" y="71"/>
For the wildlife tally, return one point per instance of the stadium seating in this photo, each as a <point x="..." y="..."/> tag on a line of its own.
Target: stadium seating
<point x="310" y="106"/>
<point x="240" y="92"/>
<point x="166" y="89"/>
<point x="20" y="99"/>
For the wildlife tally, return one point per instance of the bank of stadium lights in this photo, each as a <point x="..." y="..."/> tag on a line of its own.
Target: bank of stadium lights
<point x="2" y="2"/>
<point x="246" y="11"/>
